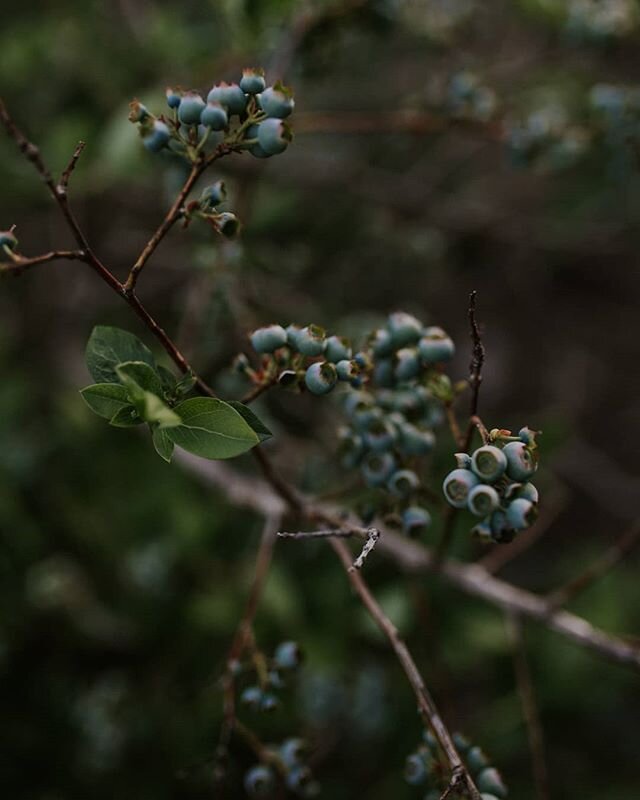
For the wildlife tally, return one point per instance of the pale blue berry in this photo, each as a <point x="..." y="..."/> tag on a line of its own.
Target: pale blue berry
<point x="407" y="365"/>
<point x="381" y="343"/>
<point x="347" y="370"/>
<point x="363" y="360"/>
<point x="337" y="349"/>
<point x="157" y="138"/>
<point x="489" y="463"/>
<point x="457" y="485"/>
<point x="501" y="530"/>
<point x="352" y="448"/>
<point x="277" y="101"/>
<point x="415" y="520"/>
<point x="404" y="329"/>
<point x="298" y="778"/>
<point x="227" y="223"/>
<point x="377" y="468"/>
<point x="8" y="239"/>
<point x="173" y="97"/>
<point x="521" y="462"/>
<point x="321" y="377"/>
<point x="252" y="81"/>
<point x="252" y="697"/>
<point x="483" y="500"/>
<point x="521" y="513"/>
<point x="463" y="460"/>
<point x="476" y="759"/>
<point x="489" y="780"/>
<point x="293" y="751"/>
<point x="213" y="195"/>
<point x="259" y="781"/>
<point x="287" y="655"/>
<point x="414" y="441"/>
<point x="268" y="339"/>
<point x="214" y="116"/>
<point x="293" y="331"/>
<point x="274" y="136"/>
<point x="436" y="346"/>
<point x="403" y="482"/>
<point x="415" y="769"/>
<point x="311" y="341"/>
<point x="190" y="109"/>
<point x="461" y="742"/>
<point x="229" y="95"/>
<point x="383" y="373"/>
<point x="380" y="436"/>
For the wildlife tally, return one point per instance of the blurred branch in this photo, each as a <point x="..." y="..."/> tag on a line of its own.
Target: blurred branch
<point x="530" y="711"/>
<point x="19" y="263"/>
<point x="607" y="561"/>
<point x="460" y="777"/>
<point x="472" y="579"/>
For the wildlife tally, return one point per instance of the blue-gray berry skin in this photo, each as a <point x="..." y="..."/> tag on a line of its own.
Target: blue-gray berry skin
<point x="521" y="513"/>
<point x="380" y="436"/>
<point x="277" y="101"/>
<point x="293" y="332"/>
<point x="489" y="463"/>
<point x="173" y="97"/>
<point x="311" y="341"/>
<point x="415" y="520"/>
<point x="298" y="778"/>
<point x="352" y="449"/>
<point x="229" y="95"/>
<point x="404" y="328"/>
<point x="463" y="460"/>
<point x="255" y="149"/>
<point x="461" y="742"/>
<point x="529" y="492"/>
<point x="457" y="485"/>
<point x="366" y="417"/>
<point x="191" y="108"/>
<point x="274" y="136"/>
<point x="347" y="370"/>
<point x="293" y="751"/>
<point x="407" y="364"/>
<point x="337" y="348"/>
<point x="476" y="759"/>
<point x="214" y="116"/>
<point x="259" y="781"/>
<point x="436" y="346"/>
<point x="137" y="111"/>
<point x="228" y="224"/>
<point x="415" y="769"/>
<point x="521" y="462"/>
<point x="363" y="360"/>
<point x="482" y="531"/>
<point x="252" y="697"/>
<point x="8" y="239"/>
<point x="287" y="656"/>
<point x="377" y="468"/>
<point x="321" y="377"/>
<point x="357" y="401"/>
<point x="252" y="81"/>
<point x="527" y="435"/>
<point x="268" y="339"/>
<point x="157" y="138"/>
<point x="501" y="530"/>
<point x="381" y="343"/>
<point x="403" y="483"/>
<point x="383" y="373"/>
<point x="489" y="780"/>
<point x="483" y="500"/>
<point x="213" y="195"/>
<point x="415" y="442"/>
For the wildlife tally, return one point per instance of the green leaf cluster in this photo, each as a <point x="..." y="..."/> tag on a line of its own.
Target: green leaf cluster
<point x="132" y="389"/>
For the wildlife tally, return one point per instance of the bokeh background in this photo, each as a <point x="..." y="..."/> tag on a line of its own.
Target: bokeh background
<point x="121" y="578"/>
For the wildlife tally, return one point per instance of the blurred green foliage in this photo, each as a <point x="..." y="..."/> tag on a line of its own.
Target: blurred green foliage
<point x="121" y="579"/>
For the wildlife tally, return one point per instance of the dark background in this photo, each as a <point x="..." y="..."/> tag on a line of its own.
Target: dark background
<point x="121" y="579"/>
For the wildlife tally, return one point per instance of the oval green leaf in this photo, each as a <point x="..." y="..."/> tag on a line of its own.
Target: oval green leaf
<point x="212" y="429"/>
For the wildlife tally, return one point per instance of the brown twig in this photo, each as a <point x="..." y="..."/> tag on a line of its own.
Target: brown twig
<point x="21" y="263"/>
<point x="475" y="368"/>
<point x="259" y="389"/>
<point x="530" y="711"/>
<point x="66" y="175"/>
<point x="607" y="561"/>
<point x="370" y="535"/>
<point x="460" y="778"/>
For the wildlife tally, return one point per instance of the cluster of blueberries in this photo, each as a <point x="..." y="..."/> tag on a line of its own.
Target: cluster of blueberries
<point x="468" y="98"/>
<point x="260" y="111"/>
<point x="426" y="768"/>
<point x="286" y="659"/>
<point x="493" y="483"/>
<point x="391" y="409"/>
<point x="547" y="137"/>
<point x="286" y="763"/>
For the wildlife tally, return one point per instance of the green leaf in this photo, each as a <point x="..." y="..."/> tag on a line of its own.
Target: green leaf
<point x="250" y="418"/>
<point x="186" y="383"/>
<point x="162" y="443"/>
<point x="126" y="417"/>
<point x="155" y="411"/>
<point x="105" y="399"/>
<point x="212" y="429"/>
<point x="168" y="379"/>
<point x="107" y="347"/>
<point x="138" y="375"/>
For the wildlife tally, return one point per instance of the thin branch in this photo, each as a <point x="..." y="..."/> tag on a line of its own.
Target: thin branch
<point x="530" y="711"/>
<point x="258" y="390"/>
<point x="472" y="579"/>
<point x="475" y="368"/>
<point x="370" y="535"/>
<point x="66" y="175"/>
<point x="460" y="778"/>
<point x="21" y="263"/>
<point x="607" y="561"/>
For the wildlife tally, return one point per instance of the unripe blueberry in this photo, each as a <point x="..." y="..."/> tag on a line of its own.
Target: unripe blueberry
<point x="293" y="331"/>
<point x="435" y="346"/>
<point x="461" y="742"/>
<point x="157" y="138"/>
<point x="483" y="532"/>
<point x="483" y="500"/>
<point x="527" y="435"/>
<point x="8" y="239"/>
<point x="430" y="740"/>
<point x="365" y="417"/>
<point x="404" y="329"/>
<point x="415" y="520"/>
<point x="137" y="111"/>
<point x="415" y="442"/>
<point x="383" y="373"/>
<point x="252" y="697"/>
<point x="415" y="769"/>
<point x="457" y="485"/>
<point x="489" y="463"/>
<point x="293" y="751"/>
<point x="277" y="101"/>
<point x="268" y="339"/>
<point x="463" y="460"/>
<point x="357" y="382"/>
<point x="403" y="482"/>
<point x="377" y="468"/>
<point x="311" y="341"/>
<point x="190" y="108"/>
<point x="230" y="95"/>
<point x="347" y="370"/>
<point x="521" y="462"/>
<point x="363" y="360"/>
<point x="275" y="679"/>
<point x="521" y="513"/>
<point x="259" y="781"/>
<point x="274" y="136"/>
<point x="408" y="364"/>
<point x="321" y="377"/>
<point x="529" y="492"/>
<point x="489" y="780"/>
<point x="337" y="348"/>
<point x="228" y="224"/>
<point x="213" y="195"/>
<point x="173" y="97"/>
<point x="287" y="656"/>
<point x="501" y="530"/>
<point x="252" y="81"/>
<point x="381" y="342"/>
<point x="357" y="401"/>
<point x="351" y="450"/>
<point x="255" y="149"/>
<point x="269" y="702"/>
<point x="380" y="436"/>
<point x="476" y="759"/>
<point x="214" y="116"/>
